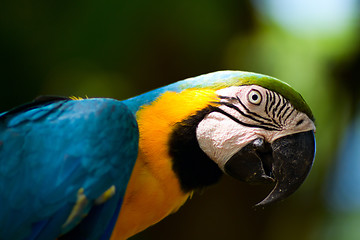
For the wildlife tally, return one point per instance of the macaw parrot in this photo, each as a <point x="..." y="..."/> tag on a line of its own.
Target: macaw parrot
<point x="100" y="168"/>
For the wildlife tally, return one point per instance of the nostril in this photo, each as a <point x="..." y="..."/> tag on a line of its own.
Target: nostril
<point x="258" y="143"/>
<point x="262" y="146"/>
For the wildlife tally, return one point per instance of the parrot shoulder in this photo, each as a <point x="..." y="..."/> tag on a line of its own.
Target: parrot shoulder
<point x="75" y="159"/>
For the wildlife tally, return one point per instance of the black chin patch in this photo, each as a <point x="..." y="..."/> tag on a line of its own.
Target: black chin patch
<point x="192" y="166"/>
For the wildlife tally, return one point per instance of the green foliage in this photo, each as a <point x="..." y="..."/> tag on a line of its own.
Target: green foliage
<point x="123" y="48"/>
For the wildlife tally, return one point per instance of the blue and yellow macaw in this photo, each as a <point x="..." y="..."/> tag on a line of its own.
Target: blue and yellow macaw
<point x="106" y="169"/>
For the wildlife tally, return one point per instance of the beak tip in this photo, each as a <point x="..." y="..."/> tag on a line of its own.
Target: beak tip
<point x="273" y="196"/>
<point x="291" y="167"/>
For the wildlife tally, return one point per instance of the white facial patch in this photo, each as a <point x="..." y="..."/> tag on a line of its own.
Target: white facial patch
<point x="220" y="137"/>
<point x="247" y="113"/>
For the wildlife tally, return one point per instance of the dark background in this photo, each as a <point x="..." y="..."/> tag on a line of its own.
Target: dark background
<point x="123" y="48"/>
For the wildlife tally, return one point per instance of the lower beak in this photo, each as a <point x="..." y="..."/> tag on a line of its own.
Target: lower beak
<point x="286" y="162"/>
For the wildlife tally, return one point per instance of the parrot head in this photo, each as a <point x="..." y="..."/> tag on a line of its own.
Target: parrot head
<point x="256" y="135"/>
<point x="252" y="127"/>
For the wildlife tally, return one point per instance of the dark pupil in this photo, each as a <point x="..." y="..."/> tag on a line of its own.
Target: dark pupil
<point x="254" y="97"/>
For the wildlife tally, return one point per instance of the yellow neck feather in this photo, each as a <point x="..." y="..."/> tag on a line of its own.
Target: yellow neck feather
<point x="154" y="190"/>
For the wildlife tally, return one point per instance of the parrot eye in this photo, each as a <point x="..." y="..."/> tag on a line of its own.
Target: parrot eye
<point x="254" y="97"/>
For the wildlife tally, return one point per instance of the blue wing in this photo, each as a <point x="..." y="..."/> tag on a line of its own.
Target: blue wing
<point x="61" y="160"/>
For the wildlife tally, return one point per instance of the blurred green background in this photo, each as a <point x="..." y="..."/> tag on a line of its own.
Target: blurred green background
<point x="121" y="48"/>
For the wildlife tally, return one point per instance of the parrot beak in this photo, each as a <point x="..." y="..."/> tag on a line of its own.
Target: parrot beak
<point x="286" y="162"/>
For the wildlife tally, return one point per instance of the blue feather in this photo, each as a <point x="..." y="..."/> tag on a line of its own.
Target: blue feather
<point x="49" y="150"/>
<point x="205" y="80"/>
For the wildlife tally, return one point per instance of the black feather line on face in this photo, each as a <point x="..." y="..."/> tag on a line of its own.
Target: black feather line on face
<point x="283" y="115"/>
<point x="271" y="102"/>
<point x="284" y="103"/>
<point x="229" y="105"/>
<point x="289" y="114"/>
<point x="216" y="109"/>
<point x="277" y="105"/>
<point x="266" y="103"/>
<point x="272" y="123"/>
<point x="257" y="115"/>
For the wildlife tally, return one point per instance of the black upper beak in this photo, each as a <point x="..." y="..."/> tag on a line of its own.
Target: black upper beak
<point x="286" y="162"/>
